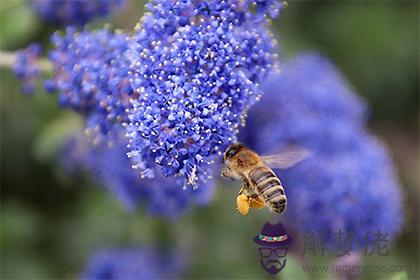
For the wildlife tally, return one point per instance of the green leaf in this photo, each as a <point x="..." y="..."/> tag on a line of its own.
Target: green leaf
<point x="400" y="276"/>
<point x="52" y="137"/>
<point x="17" y="23"/>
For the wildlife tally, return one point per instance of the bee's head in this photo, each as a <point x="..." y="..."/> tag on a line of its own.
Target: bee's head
<point x="232" y="150"/>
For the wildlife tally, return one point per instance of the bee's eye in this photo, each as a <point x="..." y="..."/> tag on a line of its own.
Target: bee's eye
<point x="231" y="152"/>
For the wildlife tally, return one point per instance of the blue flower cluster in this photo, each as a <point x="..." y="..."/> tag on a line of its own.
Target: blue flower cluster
<point x="355" y="191"/>
<point x="313" y="102"/>
<point x="110" y="167"/>
<point x="90" y="72"/>
<point x="26" y="67"/>
<point x="132" y="263"/>
<point x="349" y="183"/>
<point x="74" y="12"/>
<point x="196" y="66"/>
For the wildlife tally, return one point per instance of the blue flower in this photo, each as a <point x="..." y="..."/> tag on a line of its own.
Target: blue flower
<point x="109" y="167"/>
<point x="196" y="67"/>
<point x="132" y="263"/>
<point x="90" y="72"/>
<point x="74" y="12"/>
<point x="349" y="183"/>
<point x="26" y="67"/>
<point x="314" y="104"/>
<point x="355" y="191"/>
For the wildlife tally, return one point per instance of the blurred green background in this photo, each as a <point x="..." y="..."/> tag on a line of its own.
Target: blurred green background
<point x="50" y="222"/>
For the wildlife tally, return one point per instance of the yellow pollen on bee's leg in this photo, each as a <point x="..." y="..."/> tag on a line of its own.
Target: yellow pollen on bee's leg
<point x="242" y="204"/>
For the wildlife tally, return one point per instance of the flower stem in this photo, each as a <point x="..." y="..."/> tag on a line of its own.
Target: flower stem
<point x="8" y="58"/>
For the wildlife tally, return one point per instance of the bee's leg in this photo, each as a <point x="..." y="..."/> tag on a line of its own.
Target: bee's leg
<point x="242" y="201"/>
<point x="242" y="204"/>
<point x="243" y="190"/>
<point x="256" y="202"/>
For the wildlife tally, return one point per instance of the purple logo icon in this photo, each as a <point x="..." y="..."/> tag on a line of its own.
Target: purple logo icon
<point x="274" y="242"/>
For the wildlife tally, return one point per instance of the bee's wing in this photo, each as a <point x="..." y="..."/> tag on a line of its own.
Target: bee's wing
<point x="287" y="158"/>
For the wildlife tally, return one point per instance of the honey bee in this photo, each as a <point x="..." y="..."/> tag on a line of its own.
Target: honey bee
<point x="261" y="185"/>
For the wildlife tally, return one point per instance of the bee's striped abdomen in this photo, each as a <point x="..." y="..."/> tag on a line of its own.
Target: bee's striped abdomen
<point x="269" y="187"/>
